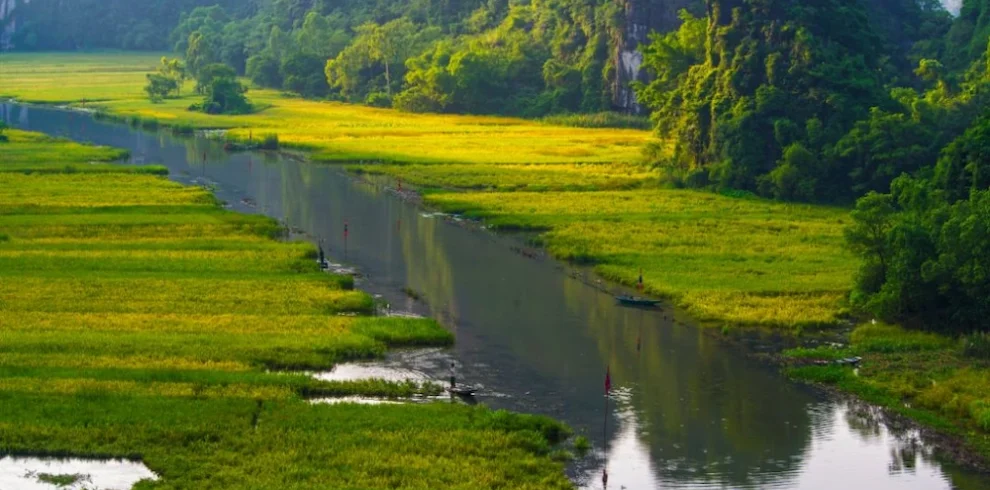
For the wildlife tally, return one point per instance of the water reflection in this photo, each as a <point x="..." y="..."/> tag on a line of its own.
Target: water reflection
<point x="692" y="412"/>
<point x="852" y="448"/>
<point x="36" y="473"/>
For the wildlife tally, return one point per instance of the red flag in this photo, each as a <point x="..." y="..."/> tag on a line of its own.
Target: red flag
<point x="608" y="380"/>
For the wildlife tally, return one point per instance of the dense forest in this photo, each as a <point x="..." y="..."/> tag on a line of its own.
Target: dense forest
<point x="822" y="101"/>
<point x="478" y="56"/>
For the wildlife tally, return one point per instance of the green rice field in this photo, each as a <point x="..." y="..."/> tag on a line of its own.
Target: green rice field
<point x="140" y="320"/>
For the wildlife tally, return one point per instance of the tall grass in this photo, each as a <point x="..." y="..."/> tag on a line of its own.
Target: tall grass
<point x="337" y="132"/>
<point x="927" y="376"/>
<point x="749" y="262"/>
<point x="601" y="120"/>
<point x="139" y="319"/>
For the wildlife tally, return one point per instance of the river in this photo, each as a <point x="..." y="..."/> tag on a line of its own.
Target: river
<point x="688" y="411"/>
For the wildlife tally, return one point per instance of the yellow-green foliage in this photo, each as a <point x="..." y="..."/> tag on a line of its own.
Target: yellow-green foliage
<point x="33" y="152"/>
<point x="737" y="260"/>
<point x="923" y="374"/>
<point x="69" y="77"/>
<point x="880" y="337"/>
<point x="137" y="317"/>
<point x="95" y="190"/>
<point x="336" y="132"/>
<point x="925" y="368"/>
<point x="549" y="177"/>
<point x="727" y="260"/>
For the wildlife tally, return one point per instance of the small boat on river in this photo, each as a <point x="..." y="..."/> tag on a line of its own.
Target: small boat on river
<point x="637" y="301"/>
<point x="462" y="390"/>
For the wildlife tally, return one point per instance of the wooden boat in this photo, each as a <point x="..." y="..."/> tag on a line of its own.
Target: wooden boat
<point x="637" y="301"/>
<point x="849" y="361"/>
<point x="462" y="390"/>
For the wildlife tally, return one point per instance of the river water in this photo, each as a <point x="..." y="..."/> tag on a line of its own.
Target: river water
<point x="688" y="411"/>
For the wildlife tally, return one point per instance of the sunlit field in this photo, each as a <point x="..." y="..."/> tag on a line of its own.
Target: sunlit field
<point x="539" y="178"/>
<point x="334" y="131"/>
<point x="743" y="261"/>
<point x="56" y="78"/>
<point x="35" y="153"/>
<point x="139" y="319"/>
<point x="728" y="261"/>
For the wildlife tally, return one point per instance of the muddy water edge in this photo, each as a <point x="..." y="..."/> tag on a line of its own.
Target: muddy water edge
<point x="688" y="410"/>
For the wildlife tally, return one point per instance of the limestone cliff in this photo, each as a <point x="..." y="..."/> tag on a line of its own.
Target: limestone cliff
<point x="8" y="23"/>
<point x="641" y="18"/>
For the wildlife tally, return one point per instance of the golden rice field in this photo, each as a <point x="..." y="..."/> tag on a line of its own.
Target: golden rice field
<point x="726" y="260"/>
<point x="140" y="320"/>
<point x="536" y="178"/>
<point x="741" y="261"/>
<point x="334" y="131"/>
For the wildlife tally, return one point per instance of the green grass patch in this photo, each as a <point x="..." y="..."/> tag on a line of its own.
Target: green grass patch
<point x="140" y="320"/>
<point x="114" y="83"/>
<point x="924" y="376"/>
<point x="740" y="261"/>
<point x="889" y="339"/>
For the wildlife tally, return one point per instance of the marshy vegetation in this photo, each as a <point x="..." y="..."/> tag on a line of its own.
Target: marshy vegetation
<point x="932" y="378"/>
<point x="143" y="321"/>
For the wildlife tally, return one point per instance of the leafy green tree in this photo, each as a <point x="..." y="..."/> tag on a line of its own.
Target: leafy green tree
<point x="377" y="51"/>
<point x="265" y="70"/>
<point x="765" y="62"/>
<point x="3" y="129"/>
<point x="668" y="57"/>
<point x="208" y="73"/>
<point x="879" y="149"/>
<point x="868" y="237"/>
<point x="965" y="164"/>
<point x="303" y="74"/>
<point x="160" y="87"/>
<point x="225" y="95"/>
<point x="209" y="20"/>
<point x="926" y="246"/>
<point x="966" y="41"/>
<point x="203" y="51"/>
<point x="175" y="70"/>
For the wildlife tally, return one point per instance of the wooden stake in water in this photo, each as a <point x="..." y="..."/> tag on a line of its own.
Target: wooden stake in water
<point x="346" y="233"/>
<point x="608" y="391"/>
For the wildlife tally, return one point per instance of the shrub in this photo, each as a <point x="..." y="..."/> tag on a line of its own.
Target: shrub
<point x="183" y="129"/>
<point x="977" y="345"/>
<point x="600" y="120"/>
<point x="269" y="142"/>
<point x="378" y="99"/>
<point x="224" y="95"/>
<point x="889" y="338"/>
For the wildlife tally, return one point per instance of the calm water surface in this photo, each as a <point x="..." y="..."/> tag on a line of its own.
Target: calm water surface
<point x="688" y="411"/>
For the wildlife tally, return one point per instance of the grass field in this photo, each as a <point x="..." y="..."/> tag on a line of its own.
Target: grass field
<point x="742" y="261"/>
<point x="334" y="131"/>
<point x="729" y="261"/>
<point x="940" y="381"/>
<point x="140" y="320"/>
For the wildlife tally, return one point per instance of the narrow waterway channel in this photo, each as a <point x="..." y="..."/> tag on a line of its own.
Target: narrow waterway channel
<point x="688" y="410"/>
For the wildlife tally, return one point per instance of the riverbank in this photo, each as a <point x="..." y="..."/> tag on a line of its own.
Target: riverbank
<point x="143" y="321"/>
<point x="729" y="261"/>
<point x="941" y="382"/>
